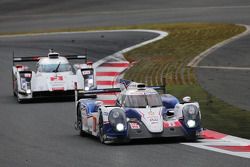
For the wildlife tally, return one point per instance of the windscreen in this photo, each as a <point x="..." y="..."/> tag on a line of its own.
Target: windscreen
<point x="141" y="101"/>
<point x="48" y="68"/>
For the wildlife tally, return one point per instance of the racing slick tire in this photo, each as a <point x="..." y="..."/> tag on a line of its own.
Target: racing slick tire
<point x="79" y="122"/>
<point x="18" y="99"/>
<point x="102" y="137"/>
<point x="191" y="137"/>
<point x="13" y="86"/>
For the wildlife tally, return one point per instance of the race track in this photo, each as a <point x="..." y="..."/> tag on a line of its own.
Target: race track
<point x="42" y="133"/>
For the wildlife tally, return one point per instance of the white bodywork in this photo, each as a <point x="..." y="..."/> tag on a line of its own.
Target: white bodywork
<point x="52" y="75"/>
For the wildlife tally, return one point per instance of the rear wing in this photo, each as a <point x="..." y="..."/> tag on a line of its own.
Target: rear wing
<point x="37" y="58"/>
<point x="127" y="83"/>
<point x="75" y="57"/>
<point x="86" y="93"/>
<point x="158" y="88"/>
<point x="25" y="59"/>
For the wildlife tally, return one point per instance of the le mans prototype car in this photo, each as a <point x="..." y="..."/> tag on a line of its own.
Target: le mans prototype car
<point x="54" y="76"/>
<point x="140" y="112"/>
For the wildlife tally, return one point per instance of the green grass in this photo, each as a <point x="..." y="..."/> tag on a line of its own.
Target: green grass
<point x="168" y="58"/>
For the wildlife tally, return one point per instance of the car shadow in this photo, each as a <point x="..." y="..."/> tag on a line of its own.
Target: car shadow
<point x="149" y="141"/>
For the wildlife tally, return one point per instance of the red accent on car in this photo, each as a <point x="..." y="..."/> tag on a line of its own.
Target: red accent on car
<point x="28" y="75"/>
<point x="168" y="124"/>
<point x="109" y="102"/>
<point x="56" y="78"/>
<point x="36" y="58"/>
<point x="58" y="89"/>
<point x="19" y="66"/>
<point x="89" y="63"/>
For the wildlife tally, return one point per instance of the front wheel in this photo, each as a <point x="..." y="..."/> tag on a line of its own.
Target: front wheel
<point x="79" y="122"/>
<point x="19" y="100"/>
<point x="102" y="137"/>
<point x="191" y="137"/>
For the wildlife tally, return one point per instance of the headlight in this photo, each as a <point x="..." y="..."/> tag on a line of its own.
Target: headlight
<point x="190" y="111"/>
<point x="191" y="123"/>
<point x="120" y="127"/>
<point x="86" y="88"/>
<point x="28" y="91"/>
<point x="191" y="115"/>
<point x="23" y="84"/>
<point x="117" y="119"/>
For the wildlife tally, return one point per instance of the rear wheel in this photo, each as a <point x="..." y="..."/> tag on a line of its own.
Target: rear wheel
<point x="79" y="122"/>
<point x="14" y="86"/>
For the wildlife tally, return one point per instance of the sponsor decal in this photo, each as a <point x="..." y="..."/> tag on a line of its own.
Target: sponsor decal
<point x="168" y="124"/>
<point x="27" y="75"/>
<point x="59" y="88"/>
<point x="134" y="125"/>
<point x="86" y="72"/>
<point x="56" y="78"/>
<point x="150" y="113"/>
<point x="153" y="119"/>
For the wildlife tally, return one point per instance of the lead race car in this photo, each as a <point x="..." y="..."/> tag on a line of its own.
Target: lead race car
<point x="140" y="112"/>
<point x="54" y="76"/>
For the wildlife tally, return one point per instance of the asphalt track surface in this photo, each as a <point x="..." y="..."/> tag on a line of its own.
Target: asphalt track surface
<point x="41" y="133"/>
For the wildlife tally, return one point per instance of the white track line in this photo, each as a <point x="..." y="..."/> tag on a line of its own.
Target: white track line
<point x="224" y="68"/>
<point x="200" y="57"/>
<point x="134" y="11"/>
<point x="118" y="55"/>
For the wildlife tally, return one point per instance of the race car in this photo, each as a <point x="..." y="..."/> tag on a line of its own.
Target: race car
<point x="140" y="112"/>
<point x="54" y="76"/>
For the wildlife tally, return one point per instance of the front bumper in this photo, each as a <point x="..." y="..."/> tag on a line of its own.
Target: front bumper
<point x="40" y="94"/>
<point x="144" y="133"/>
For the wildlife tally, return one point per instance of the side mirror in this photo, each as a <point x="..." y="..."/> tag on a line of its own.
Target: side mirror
<point x="186" y="99"/>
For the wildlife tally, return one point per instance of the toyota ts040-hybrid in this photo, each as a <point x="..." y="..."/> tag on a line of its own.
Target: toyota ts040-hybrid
<point x="139" y="112"/>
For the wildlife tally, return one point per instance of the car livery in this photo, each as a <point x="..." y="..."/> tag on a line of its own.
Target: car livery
<point x="140" y="112"/>
<point x="54" y="76"/>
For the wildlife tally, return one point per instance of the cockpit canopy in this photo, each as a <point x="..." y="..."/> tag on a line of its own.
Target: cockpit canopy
<point x="53" y="64"/>
<point x="48" y="68"/>
<point x="142" y="100"/>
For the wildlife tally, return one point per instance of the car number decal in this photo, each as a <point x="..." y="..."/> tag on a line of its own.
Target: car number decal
<point x="134" y="125"/>
<point x="56" y="78"/>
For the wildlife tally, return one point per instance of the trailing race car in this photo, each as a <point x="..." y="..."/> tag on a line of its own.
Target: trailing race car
<point x="54" y="76"/>
<point x="140" y="112"/>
